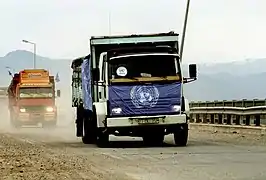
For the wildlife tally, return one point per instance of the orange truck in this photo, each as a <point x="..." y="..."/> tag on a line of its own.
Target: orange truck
<point x="31" y="96"/>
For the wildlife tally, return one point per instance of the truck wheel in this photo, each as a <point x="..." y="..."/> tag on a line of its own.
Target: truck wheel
<point x="181" y="135"/>
<point x="153" y="139"/>
<point x="89" y="136"/>
<point x="87" y="140"/>
<point x="14" y="123"/>
<point x="89" y="129"/>
<point x="103" y="139"/>
<point x="79" y="121"/>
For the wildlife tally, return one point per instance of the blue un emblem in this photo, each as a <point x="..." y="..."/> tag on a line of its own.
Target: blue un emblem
<point x="144" y="96"/>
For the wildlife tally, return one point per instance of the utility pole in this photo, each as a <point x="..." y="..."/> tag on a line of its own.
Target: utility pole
<point x="184" y="31"/>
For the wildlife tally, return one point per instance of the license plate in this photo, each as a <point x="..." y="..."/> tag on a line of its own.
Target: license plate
<point x="36" y="116"/>
<point x="148" y="121"/>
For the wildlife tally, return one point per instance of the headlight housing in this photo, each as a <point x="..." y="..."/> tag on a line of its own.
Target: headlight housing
<point x="176" y="108"/>
<point x="22" y="110"/>
<point x="22" y="95"/>
<point x="49" y="109"/>
<point x="116" y="110"/>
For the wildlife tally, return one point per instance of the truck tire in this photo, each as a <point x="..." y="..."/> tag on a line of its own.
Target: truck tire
<point x="153" y="139"/>
<point x="181" y="135"/>
<point x="102" y="139"/>
<point x="79" y="121"/>
<point x="89" y="128"/>
<point x="14" y="122"/>
<point x="89" y="135"/>
<point x="88" y="140"/>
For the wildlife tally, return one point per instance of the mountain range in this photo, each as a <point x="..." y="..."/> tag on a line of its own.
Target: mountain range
<point x="216" y="81"/>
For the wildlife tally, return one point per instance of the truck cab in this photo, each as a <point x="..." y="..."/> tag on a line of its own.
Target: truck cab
<point x="137" y="89"/>
<point x="32" y="98"/>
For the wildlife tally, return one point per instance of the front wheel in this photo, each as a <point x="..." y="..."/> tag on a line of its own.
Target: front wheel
<point x="89" y="128"/>
<point x="102" y="139"/>
<point x="181" y="135"/>
<point x="14" y="122"/>
<point x="89" y="136"/>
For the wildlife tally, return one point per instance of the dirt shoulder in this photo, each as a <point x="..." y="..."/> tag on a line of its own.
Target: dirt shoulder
<point x="38" y="154"/>
<point x="27" y="160"/>
<point x="228" y="138"/>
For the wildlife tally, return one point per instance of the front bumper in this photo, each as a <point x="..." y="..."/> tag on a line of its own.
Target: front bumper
<point x="36" y="117"/>
<point x="141" y="120"/>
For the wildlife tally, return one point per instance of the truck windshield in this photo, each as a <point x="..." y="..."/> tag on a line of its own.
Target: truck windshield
<point x="33" y="92"/>
<point x="144" y="66"/>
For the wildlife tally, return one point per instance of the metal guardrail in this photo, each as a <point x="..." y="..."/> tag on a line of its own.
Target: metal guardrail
<point x="3" y="97"/>
<point x="226" y="103"/>
<point x="241" y="112"/>
<point x="3" y="92"/>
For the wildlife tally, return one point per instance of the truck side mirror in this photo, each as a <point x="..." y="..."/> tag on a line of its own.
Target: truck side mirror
<point x="193" y="71"/>
<point x="96" y="74"/>
<point x="58" y="93"/>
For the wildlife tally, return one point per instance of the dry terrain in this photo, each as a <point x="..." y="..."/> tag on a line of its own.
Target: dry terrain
<point x="36" y="153"/>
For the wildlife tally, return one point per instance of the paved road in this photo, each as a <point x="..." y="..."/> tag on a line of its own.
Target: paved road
<point x="208" y="156"/>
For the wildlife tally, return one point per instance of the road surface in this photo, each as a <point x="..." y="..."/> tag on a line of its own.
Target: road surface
<point x="35" y="153"/>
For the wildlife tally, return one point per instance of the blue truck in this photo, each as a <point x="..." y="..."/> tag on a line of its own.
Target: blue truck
<point x="131" y="86"/>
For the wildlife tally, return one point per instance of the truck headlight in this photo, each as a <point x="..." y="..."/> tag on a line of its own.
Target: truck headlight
<point x="22" y="110"/>
<point x="49" y="109"/>
<point x="176" y="108"/>
<point x="116" y="110"/>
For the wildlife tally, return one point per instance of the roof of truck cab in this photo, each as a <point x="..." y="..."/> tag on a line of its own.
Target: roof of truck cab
<point x="171" y="33"/>
<point x="142" y="49"/>
<point x="144" y="54"/>
<point x="78" y="61"/>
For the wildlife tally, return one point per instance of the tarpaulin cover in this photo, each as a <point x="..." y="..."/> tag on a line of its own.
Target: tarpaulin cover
<point x="134" y="100"/>
<point x="86" y="84"/>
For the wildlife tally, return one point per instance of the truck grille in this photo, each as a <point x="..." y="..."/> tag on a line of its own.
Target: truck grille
<point x="35" y="109"/>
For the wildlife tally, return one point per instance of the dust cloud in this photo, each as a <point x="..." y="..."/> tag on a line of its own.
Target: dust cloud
<point x="64" y="130"/>
<point x="40" y="153"/>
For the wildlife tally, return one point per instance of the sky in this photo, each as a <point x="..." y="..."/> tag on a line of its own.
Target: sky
<point x="217" y="31"/>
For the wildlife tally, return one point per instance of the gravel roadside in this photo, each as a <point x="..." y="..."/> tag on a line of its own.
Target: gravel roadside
<point x="36" y="154"/>
<point x="27" y="160"/>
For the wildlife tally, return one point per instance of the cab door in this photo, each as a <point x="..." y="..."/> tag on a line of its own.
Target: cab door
<point x="102" y="84"/>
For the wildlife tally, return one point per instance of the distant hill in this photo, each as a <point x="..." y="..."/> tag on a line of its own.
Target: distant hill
<point x="233" y="80"/>
<point x="237" y="68"/>
<point x="18" y="60"/>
